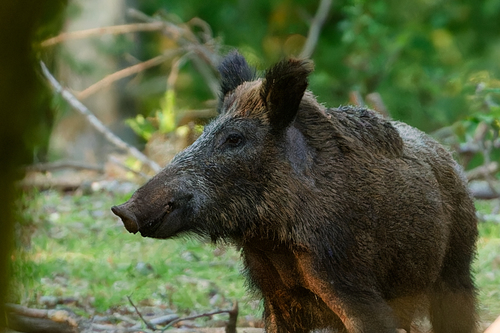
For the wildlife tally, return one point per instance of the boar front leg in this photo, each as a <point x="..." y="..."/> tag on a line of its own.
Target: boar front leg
<point x="362" y="311"/>
<point x="283" y="305"/>
<point x="271" y="321"/>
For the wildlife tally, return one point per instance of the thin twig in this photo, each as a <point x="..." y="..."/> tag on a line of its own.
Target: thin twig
<point x="95" y="122"/>
<point x="207" y="30"/>
<point x="112" y="30"/>
<point x="174" y="71"/>
<point x="377" y="103"/>
<point x="315" y="29"/>
<point x="148" y="324"/>
<point x="119" y="163"/>
<point x="41" y="167"/>
<point x="204" y="57"/>
<point x="356" y="99"/>
<point x="204" y="69"/>
<point x="109" y="79"/>
<point x="208" y="314"/>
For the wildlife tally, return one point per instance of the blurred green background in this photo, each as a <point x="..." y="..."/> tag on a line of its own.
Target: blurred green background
<point x="425" y="58"/>
<point x="434" y="64"/>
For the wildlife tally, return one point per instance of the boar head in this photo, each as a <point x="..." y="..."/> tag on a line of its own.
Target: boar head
<point x="220" y="185"/>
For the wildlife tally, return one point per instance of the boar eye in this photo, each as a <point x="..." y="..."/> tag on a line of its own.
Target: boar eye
<point x="234" y="140"/>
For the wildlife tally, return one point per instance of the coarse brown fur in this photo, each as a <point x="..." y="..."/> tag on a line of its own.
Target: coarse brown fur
<point x="347" y="221"/>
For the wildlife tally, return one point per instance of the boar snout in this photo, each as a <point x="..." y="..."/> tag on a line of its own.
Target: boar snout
<point x="156" y="212"/>
<point x="128" y="217"/>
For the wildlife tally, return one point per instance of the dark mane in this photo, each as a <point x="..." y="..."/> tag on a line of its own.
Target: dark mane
<point x="365" y="130"/>
<point x="234" y="70"/>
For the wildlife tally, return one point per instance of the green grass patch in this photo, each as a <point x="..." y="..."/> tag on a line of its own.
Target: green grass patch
<point x="72" y="246"/>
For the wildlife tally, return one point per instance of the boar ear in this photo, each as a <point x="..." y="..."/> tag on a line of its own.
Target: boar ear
<point x="234" y="70"/>
<point x="282" y="90"/>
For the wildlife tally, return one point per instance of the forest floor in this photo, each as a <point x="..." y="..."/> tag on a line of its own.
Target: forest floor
<point x="73" y="254"/>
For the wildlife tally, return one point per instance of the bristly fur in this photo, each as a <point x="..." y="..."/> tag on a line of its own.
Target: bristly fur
<point x="346" y="221"/>
<point x="283" y="89"/>
<point x="234" y="70"/>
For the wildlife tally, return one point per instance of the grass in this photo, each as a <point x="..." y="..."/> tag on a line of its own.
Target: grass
<point x="71" y="246"/>
<point x="487" y="266"/>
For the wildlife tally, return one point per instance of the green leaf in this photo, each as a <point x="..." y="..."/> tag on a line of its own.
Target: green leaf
<point x="166" y="117"/>
<point x="141" y="126"/>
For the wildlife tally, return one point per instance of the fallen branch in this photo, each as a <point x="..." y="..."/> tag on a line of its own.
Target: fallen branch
<point x="113" y="30"/>
<point x="29" y="320"/>
<point x="95" y="122"/>
<point x="315" y="29"/>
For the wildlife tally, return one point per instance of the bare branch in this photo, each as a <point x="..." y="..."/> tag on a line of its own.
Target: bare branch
<point x="41" y="167"/>
<point x="315" y="29"/>
<point x="208" y="314"/>
<point x="207" y="30"/>
<point x="117" y="162"/>
<point x="376" y="102"/>
<point x="356" y="99"/>
<point x="109" y="79"/>
<point x="205" y="71"/>
<point x="174" y="71"/>
<point x="483" y="171"/>
<point x="203" y="55"/>
<point x="112" y="30"/>
<point x="95" y="122"/>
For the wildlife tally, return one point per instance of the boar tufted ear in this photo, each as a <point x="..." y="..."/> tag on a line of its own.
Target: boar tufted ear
<point x="282" y="90"/>
<point x="234" y="70"/>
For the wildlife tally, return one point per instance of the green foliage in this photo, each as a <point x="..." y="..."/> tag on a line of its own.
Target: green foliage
<point x="141" y="126"/>
<point x="419" y="55"/>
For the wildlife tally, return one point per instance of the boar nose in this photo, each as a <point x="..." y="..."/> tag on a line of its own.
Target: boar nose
<point x="128" y="217"/>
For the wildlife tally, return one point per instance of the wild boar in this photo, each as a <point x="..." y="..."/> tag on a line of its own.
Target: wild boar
<point x="346" y="221"/>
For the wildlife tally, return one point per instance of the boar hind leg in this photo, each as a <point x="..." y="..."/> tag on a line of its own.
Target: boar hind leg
<point x="361" y="310"/>
<point x="452" y="310"/>
<point x="366" y="314"/>
<point x="453" y="298"/>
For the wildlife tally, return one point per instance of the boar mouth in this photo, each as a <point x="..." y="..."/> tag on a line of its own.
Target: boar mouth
<point x="133" y="223"/>
<point x="149" y="228"/>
